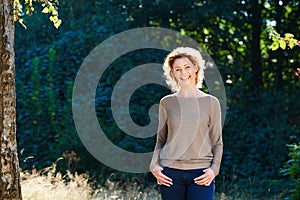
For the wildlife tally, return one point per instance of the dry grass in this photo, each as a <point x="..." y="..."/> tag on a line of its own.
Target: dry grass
<point x="50" y="184"/>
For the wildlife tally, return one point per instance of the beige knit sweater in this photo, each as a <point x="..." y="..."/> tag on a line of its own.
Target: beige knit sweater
<point x="189" y="133"/>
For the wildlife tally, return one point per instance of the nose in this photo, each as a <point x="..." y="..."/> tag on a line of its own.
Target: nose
<point x="183" y="71"/>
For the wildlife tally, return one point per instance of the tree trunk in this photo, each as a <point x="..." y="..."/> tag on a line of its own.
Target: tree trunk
<point x="9" y="164"/>
<point x="279" y="53"/>
<point x="256" y="23"/>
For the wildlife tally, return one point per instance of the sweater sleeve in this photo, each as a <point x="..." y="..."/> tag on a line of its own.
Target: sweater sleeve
<point x="161" y="138"/>
<point x="216" y="135"/>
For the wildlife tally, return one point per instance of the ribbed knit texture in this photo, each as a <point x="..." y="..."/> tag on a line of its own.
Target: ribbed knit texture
<point x="189" y="133"/>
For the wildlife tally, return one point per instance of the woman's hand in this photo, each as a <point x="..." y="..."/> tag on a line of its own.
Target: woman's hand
<point x="206" y="178"/>
<point x="160" y="177"/>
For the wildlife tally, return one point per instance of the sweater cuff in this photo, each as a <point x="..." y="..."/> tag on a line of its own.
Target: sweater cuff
<point x="153" y="165"/>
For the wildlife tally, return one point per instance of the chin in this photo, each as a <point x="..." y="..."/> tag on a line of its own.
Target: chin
<point x="187" y="85"/>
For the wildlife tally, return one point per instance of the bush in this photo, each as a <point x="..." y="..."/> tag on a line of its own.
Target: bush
<point x="256" y="132"/>
<point x="292" y="169"/>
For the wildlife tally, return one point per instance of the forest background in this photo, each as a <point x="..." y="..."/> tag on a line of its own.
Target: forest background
<point x="262" y="86"/>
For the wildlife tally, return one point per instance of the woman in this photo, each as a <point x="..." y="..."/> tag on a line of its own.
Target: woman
<point x="188" y="150"/>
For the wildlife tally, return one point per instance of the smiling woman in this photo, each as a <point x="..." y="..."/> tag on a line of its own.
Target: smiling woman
<point x="191" y="57"/>
<point x="189" y="145"/>
<point x="184" y="72"/>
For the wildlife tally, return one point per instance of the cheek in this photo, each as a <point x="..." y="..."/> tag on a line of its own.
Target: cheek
<point x="195" y="72"/>
<point x="173" y="75"/>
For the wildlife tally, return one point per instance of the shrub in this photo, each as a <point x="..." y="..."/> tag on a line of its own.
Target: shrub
<point x="292" y="169"/>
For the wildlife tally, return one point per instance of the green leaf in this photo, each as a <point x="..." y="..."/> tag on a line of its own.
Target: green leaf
<point x="205" y="31"/>
<point x="282" y="44"/>
<point x="58" y="23"/>
<point x="51" y="8"/>
<point x="274" y="46"/>
<point x="288" y="10"/>
<point x="53" y="18"/>
<point x="45" y="10"/>
<point x="291" y="45"/>
<point x="288" y="35"/>
<point x="54" y="13"/>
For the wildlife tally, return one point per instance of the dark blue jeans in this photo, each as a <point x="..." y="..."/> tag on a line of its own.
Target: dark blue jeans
<point x="183" y="187"/>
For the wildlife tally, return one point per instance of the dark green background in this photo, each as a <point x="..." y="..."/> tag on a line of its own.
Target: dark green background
<point x="261" y="85"/>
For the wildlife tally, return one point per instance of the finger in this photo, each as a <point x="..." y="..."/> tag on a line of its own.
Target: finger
<point x="166" y="181"/>
<point x="200" y="177"/>
<point x="207" y="175"/>
<point x="206" y="183"/>
<point x="203" y="181"/>
<point x="166" y="184"/>
<point x="161" y="183"/>
<point x="163" y="176"/>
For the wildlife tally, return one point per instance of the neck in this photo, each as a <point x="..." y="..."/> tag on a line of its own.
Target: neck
<point x="189" y="92"/>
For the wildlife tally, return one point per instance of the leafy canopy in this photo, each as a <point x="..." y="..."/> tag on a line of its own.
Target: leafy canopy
<point x="22" y="7"/>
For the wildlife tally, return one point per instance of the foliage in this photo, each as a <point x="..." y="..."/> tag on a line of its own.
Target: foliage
<point x="252" y="136"/>
<point x="40" y="91"/>
<point x="49" y="6"/>
<point x="292" y="169"/>
<point x="282" y="42"/>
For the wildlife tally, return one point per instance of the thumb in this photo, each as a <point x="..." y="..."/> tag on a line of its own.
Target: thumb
<point x="157" y="169"/>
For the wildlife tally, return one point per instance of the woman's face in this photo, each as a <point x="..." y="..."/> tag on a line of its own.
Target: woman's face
<point x="184" y="72"/>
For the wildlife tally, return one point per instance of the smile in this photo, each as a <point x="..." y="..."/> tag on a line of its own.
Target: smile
<point x="185" y="78"/>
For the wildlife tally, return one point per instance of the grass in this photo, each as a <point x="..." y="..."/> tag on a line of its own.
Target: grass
<point x="47" y="184"/>
<point x="50" y="184"/>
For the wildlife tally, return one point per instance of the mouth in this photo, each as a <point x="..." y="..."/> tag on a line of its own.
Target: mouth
<point x="185" y="78"/>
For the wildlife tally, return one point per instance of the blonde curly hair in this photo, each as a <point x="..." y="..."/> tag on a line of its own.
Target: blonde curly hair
<point x="193" y="55"/>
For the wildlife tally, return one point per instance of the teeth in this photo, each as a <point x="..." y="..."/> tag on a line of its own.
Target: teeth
<point x="186" y="78"/>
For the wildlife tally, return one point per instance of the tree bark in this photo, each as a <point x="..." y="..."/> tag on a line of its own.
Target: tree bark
<point x="256" y="23"/>
<point x="9" y="164"/>
<point x="279" y="53"/>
